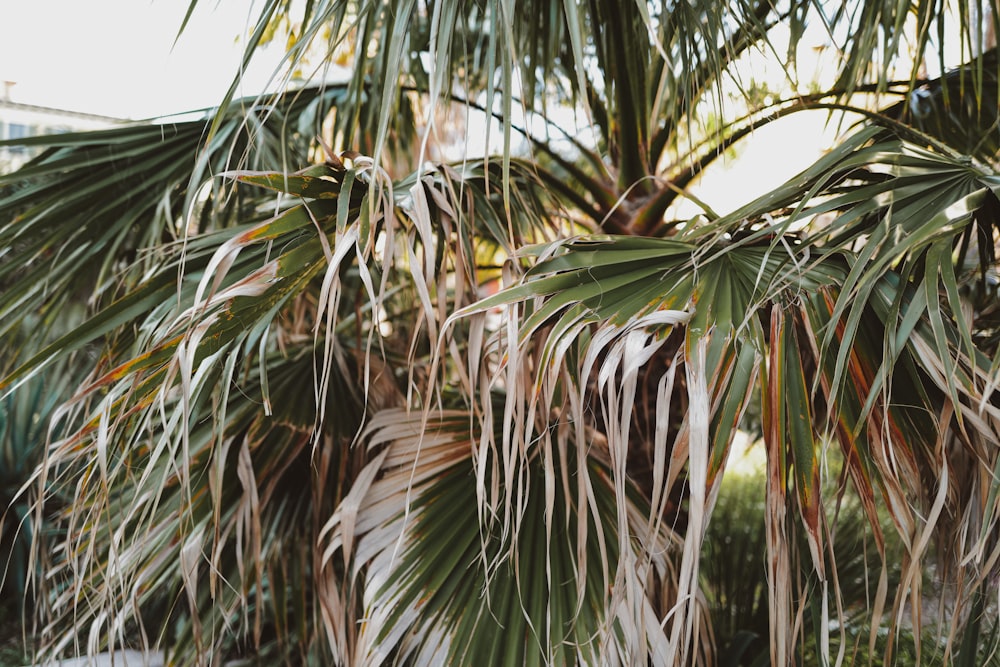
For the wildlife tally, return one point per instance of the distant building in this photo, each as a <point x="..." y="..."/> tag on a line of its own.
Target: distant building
<point x="19" y="120"/>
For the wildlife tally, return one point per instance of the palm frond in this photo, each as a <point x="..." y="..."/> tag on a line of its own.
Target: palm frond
<point x="544" y="583"/>
<point x="80" y="220"/>
<point x="820" y="287"/>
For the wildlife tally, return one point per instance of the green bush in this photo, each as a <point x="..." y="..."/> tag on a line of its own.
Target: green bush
<point x="733" y="567"/>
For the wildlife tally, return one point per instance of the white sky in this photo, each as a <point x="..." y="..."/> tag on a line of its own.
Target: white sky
<point x="118" y="58"/>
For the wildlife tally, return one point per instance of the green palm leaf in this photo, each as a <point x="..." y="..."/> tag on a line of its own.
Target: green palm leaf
<point x="881" y="414"/>
<point x="543" y="583"/>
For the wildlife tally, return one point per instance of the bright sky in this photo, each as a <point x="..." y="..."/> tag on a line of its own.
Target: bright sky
<point x="118" y="58"/>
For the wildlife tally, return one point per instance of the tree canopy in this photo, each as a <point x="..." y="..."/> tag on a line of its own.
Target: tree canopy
<point x="338" y="386"/>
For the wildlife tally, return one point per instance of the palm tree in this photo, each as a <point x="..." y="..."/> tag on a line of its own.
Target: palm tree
<point x="350" y="403"/>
